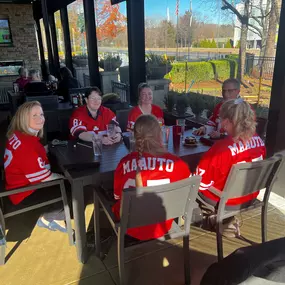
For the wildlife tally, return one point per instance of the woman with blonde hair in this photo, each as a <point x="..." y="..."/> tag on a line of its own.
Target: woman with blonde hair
<point x="149" y="165"/>
<point x="26" y="162"/>
<point x="241" y="145"/>
<point x="145" y="106"/>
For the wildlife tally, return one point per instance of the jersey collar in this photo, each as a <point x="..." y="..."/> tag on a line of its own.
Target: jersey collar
<point x="99" y="112"/>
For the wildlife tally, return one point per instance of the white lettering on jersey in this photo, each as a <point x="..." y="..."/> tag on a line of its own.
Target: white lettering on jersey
<point x="134" y="164"/>
<point x="8" y="156"/>
<point x="149" y="166"/>
<point x="126" y="167"/>
<point x="14" y="142"/>
<point x="241" y="147"/>
<point x="41" y="162"/>
<point x="161" y="160"/>
<point x="152" y="163"/>
<point x="77" y="122"/>
<point x="169" y="165"/>
<point x="77" y="125"/>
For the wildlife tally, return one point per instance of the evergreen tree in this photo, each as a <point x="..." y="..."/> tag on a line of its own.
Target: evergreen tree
<point x="228" y="44"/>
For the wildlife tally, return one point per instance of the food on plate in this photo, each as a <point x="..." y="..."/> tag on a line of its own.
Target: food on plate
<point x="190" y="141"/>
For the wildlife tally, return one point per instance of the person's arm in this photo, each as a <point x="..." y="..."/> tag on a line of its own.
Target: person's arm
<point x="131" y="120"/>
<point x="78" y="129"/>
<point x="53" y="176"/>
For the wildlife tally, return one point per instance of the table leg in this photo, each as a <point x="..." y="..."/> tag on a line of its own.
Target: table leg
<point x="79" y="220"/>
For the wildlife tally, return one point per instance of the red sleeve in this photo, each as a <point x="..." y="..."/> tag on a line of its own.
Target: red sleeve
<point x="76" y="123"/>
<point x="158" y="113"/>
<point x="37" y="168"/>
<point x="109" y="116"/>
<point x="133" y="115"/>
<point x="213" y="168"/>
<point x="214" y="116"/>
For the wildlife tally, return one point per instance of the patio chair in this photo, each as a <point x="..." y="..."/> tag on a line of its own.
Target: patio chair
<point x="245" y="179"/>
<point x="163" y="202"/>
<point x="5" y="193"/>
<point x="122" y="118"/>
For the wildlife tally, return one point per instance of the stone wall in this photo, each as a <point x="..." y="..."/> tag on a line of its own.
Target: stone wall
<point x="23" y="35"/>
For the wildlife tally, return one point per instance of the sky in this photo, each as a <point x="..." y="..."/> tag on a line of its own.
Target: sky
<point x="202" y="8"/>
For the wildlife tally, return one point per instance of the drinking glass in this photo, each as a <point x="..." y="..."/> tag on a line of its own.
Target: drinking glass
<point x="97" y="145"/>
<point x="132" y="142"/>
<point x="165" y="135"/>
<point x="176" y="132"/>
<point x="111" y="132"/>
<point x="181" y="123"/>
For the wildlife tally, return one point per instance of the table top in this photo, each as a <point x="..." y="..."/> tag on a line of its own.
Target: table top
<point x="111" y="156"/>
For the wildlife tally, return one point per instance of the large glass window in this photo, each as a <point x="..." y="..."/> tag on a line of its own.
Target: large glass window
<point x="44" y="39"/>
<point x="59" y="36"/>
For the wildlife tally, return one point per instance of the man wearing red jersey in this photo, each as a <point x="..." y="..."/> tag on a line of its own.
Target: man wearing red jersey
<point x="155" y="166"/>
<point x="145" y="106"/>
<point x="230" y="91"/>
<point x="242" y="145"/>
<point x="93" y="118"/>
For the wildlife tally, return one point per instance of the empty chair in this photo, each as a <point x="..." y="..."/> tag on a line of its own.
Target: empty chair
<point x="39" y="187"/>
<point x="49" y="102"/>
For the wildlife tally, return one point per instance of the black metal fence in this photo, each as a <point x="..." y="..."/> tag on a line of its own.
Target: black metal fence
<point x="257" y="66"/>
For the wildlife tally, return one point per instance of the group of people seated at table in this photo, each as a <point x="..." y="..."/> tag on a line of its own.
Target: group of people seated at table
<point x="31" y="82"/>
<point x="150" y="163"/>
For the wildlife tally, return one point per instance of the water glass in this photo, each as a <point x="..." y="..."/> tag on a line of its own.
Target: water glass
<point x="132" y="142"/>
<point x="165" y="135"/>
<point x="97" y="145"/>
<point x="111" y="132"/>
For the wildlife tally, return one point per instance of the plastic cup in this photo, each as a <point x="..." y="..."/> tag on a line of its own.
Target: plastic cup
<point x="111" y="132"/>
<point x="97" y="146"/>
<point x="165" y="135"/>
<point x="176" y="132"/>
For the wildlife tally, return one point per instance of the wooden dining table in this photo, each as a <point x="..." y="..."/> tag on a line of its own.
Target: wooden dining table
<point x="111" y="156"/>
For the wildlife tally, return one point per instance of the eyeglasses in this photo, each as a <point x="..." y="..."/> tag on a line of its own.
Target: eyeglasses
<point x="228" y="90"/>
<point x="95" y="99"/>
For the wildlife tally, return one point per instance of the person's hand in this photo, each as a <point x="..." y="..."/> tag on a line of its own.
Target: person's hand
<point x="87" y="136"/>
<point x="117" y="138"/>
<point x="201" y="131"/>
<point x="107" y="140"/>
<point x="215" y="135"/>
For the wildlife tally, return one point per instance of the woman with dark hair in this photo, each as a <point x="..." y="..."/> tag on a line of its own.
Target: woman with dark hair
<point x="67" y="82"/>
<point x="145" y="106"/>
<point x="149" y="165"/>
<point x="93" y="118"/>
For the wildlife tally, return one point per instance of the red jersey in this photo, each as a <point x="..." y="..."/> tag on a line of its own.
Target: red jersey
<point x="136" y="112"/>
<point x="214" y="120"/>
<point x="82" y="121"/>
<point x="216" y="164"/>
<point x="25" y="163"/>
<point x="155" y="170"/>
<point x="22" y="82"/>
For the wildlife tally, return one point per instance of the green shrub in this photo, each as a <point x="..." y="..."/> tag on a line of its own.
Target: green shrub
<point x="197" y="71"/>
<point x="224" y="68"/>
<point x="228" y="44"/>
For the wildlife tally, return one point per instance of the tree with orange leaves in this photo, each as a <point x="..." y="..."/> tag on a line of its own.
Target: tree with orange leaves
<point x="109" y="20"/>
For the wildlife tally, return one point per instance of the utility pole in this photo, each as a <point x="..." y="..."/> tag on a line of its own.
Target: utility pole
<point x="177" y="26"/>
<point x="189" y="28"/>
